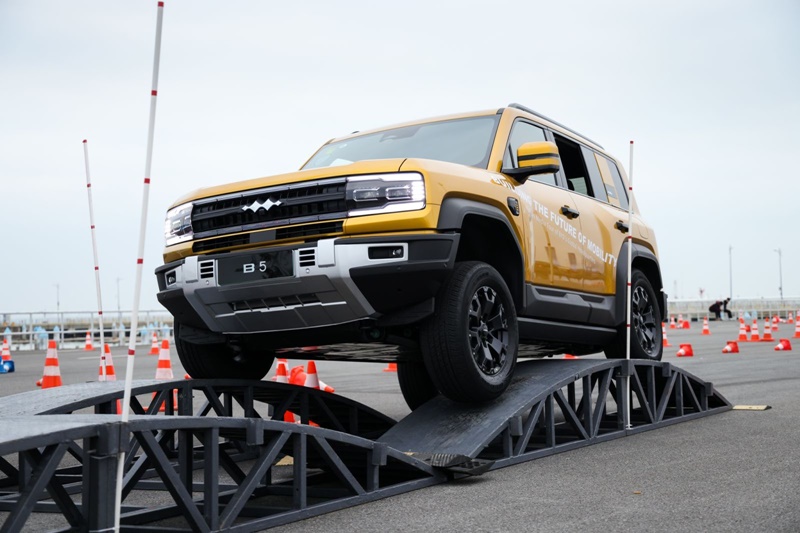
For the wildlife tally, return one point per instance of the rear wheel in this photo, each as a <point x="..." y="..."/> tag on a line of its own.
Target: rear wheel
<point x="470" y="343"/>
<point x="222" y="360"/>
<point x="415" y="383"/>
<point x="646" y="338"/>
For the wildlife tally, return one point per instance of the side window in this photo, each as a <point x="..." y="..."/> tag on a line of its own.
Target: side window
<point x="573" y="166"/>
<point x="521" y="133"/>
<point x="615" y="188"/>
<point x="594" y="174"/>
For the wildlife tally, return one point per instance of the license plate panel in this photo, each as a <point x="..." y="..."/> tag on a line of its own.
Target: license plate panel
<point x="247" y="268"/>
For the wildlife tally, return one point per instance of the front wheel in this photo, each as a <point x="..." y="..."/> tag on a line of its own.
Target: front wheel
<point x="470" y="343"/>
<point x="646" y="338"/>
<point x="222" y="360"/>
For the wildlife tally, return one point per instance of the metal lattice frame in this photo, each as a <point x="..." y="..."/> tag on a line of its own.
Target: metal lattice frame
<point x="218" y="471"/>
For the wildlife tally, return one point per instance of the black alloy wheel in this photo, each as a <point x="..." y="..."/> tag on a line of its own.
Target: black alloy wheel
<point x="646" y="338"/>
<point x="488" y="331"/>
<point x="643" y="320"/>
<point x="470" y="343"/>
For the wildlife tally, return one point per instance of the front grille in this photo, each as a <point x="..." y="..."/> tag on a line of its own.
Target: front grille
<point x="222" y="242"/>
<point x="270" y="207"/>
<point x="307" y="230"/>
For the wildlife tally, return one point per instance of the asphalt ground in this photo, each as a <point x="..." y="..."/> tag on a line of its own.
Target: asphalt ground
<point x="735" y="471"/>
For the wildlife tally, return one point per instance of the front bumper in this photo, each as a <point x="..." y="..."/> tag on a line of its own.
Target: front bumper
<point x="334" y="281"/>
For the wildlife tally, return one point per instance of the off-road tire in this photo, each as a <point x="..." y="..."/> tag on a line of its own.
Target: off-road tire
<point x="221" y="360"/>
<point x="646" y="338"/>
<point x="415" y="383"/>
<point x="470" y="343"/>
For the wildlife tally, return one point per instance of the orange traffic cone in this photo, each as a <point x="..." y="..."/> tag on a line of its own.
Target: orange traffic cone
<point x="312" y="380"/>
<point x="784" y="344"/>
<point x="325" y="387"/>
<point x="281" y="376"/>
<point x="297" y="376"/>
<point x="797" y="326"/>
<point x="742" y="331"/>
<point x="7" y="363"/>
<point x="672" y="324"/>
<point x="391" y="367"/>
<point x="754" y="332"/>
<point x="767" y="332"/>
<point x="52" y="372"/>
<point x="154" y="346"/>
<point x="164" y="372"/>
<point x="685" y="351"/>
<point x="706" y="331"/>
<point x="731" y="347"/>
<point x="110" y="374"/>
<point x="686" y="325"/>
<point x="164" y="368"/>
<point x="87" y="347"/>
<point x="680" y="321"/>
<point x="664" y="339"/>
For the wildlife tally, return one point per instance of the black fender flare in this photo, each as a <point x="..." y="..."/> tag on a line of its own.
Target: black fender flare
<point x="642" y="256"/>
<point x="452" y="213"/>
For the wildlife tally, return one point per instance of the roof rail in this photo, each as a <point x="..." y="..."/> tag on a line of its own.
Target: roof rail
<point x="532" y="112"/>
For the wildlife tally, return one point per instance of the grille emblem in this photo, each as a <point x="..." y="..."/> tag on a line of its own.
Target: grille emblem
<point x="267" y="205"/>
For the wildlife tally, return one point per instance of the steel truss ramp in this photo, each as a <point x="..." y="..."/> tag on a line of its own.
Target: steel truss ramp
<point x="554" y="406"/>
<point x="221" y="459"/>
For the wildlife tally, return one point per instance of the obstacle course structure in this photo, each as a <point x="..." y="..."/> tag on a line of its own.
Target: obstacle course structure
<point x="220" y="457"/>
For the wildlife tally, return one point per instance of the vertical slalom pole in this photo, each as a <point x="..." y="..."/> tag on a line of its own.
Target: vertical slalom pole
<point x="139" y="262"/>
<point x="628" y="291"/>
<point x="96" y="262"/>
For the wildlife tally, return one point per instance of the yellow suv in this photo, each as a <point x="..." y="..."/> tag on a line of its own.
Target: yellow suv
<point x="451" y="245"/>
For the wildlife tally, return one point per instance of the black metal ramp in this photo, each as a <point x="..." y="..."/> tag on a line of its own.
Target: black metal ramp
<point x="556" y="405"/>
<point x="215" y="455"/>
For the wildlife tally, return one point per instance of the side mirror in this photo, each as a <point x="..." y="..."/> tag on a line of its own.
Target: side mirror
<point x="533" y="158"/>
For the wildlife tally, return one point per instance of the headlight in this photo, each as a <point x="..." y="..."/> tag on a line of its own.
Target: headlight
<point x="385" y="193"/>
<point x="178" y="225"/>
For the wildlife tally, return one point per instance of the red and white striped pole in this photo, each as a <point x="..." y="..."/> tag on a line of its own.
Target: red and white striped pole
<point x="143" y="221"/>
<point x="96" y="262"/>
<point x="139" y="261"/>
<point x="629" y="289"/>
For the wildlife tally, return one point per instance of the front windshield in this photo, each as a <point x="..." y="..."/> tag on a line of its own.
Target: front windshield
<point x="466" y="141"/>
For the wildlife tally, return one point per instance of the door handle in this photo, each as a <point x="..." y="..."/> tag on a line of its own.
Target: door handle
<point x="622" y="226"/>
<point x="570" y="213"/>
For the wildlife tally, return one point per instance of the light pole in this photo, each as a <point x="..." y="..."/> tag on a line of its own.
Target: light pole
<point x="730" y="271"/>
<point x="780" y="273"/>
<point x="119" y="315"/>
<point x="60" y="323"/>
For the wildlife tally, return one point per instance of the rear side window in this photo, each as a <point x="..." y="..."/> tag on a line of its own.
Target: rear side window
<point x="615" y="188"/>
<point x="594" y="174"/>
<point x="521" y="133"/>
<point x="573" y="166"/>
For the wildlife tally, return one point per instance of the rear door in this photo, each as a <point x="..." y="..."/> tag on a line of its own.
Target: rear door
<point x="602" y="232"/>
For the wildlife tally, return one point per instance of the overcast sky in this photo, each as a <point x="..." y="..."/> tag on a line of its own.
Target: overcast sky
<point x="708" y="90"/>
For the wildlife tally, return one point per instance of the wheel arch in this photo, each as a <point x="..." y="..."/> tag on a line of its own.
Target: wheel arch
<point x="487" y="236"/>
<point x="645" y="260"/>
